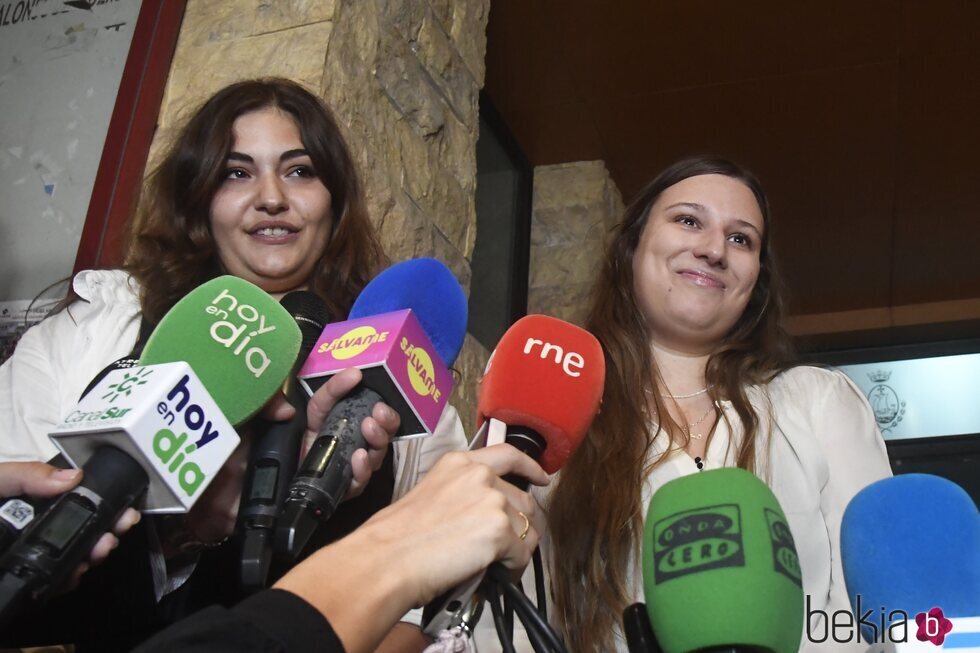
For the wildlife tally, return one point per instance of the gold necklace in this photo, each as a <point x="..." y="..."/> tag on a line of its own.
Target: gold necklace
<point x="696" y="436"/>
<point x="693" y="394"/>
<point x="670" y="396"/>
<point x="690" y="427"/>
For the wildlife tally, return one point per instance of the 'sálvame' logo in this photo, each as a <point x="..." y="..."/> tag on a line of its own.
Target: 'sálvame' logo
<point x="421" y="371"/>
<point x="238" y="326"/>
<point x="354" y="342"/>
<point x="169" y="447"/>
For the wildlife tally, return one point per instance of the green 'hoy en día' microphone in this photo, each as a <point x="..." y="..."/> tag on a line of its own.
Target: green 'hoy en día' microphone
<point x="155" y="435"/>
<point x="720" y="569"/>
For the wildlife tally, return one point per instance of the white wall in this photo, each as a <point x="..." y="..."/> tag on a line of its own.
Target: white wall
<point x="60" y="66"/>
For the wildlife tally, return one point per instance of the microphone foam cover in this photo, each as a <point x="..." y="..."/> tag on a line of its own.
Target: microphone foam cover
<point x="240" y="342"/>
<point x="719" y="565"/>
<point x="310" y="314"/>
<point x="912" y="543"/>
<point x="548" y="375"/>
<point x="426" y="286"/>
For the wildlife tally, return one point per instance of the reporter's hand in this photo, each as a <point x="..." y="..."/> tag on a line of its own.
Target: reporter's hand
<point x="457" y="521"/>
<point x="378" y="429"/>
<point x="213" y="517"/>
<point x="462" y="517"/>
<point x="41" y="480"/>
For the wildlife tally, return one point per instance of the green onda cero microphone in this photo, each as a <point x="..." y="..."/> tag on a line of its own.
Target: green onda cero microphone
<point x="720" y="568"/>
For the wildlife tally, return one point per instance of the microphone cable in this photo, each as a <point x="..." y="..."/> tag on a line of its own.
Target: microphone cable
<point x="542" y="636"/>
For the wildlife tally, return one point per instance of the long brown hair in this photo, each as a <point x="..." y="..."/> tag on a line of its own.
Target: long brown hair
<point x="171" y="249"/>
<point x="593" y="548"/>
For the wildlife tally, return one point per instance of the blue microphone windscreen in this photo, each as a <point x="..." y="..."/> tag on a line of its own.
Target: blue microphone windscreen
<point x="426" y="286"/>
<point x="912" y="543"/>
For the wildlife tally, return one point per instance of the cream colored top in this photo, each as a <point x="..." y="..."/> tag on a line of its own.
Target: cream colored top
<point x="825" y="448"/>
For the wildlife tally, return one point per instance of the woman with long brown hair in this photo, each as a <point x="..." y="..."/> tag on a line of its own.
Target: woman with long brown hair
<point x="699" y="376"/>
<point x="260" y="184"/>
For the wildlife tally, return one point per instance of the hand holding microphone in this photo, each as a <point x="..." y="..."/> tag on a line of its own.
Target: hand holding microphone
<point x="378" y="428"/>
<point x="405" y="327"/>
<point x="40" y="481"/>
<point x="542" y="386"/>
<point x="156" y="432"/>
<point x="458" y="520"/>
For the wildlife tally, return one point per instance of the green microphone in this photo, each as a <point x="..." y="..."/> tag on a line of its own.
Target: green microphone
<point x="155" y="435"/>
<point x="720" y="569"/>
<point x="229" y="329"/>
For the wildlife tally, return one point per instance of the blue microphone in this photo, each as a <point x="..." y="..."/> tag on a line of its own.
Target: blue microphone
<point x="385" y="336"/>
<point x="426" y="286"/>
<point x="911" y="544"/>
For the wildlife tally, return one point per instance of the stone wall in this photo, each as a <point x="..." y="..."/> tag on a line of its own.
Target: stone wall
<point x="574" y="207"/>
<point x="403" y="78"/>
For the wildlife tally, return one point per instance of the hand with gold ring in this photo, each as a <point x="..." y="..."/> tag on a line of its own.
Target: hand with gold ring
<point x="457" y="521"/>
<point x="527" y="525"/>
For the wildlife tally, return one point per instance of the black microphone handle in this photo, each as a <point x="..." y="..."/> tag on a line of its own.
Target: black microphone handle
<point x="527" y="441"/>
<point x="274" y="455"/>
<point x="54" y="544"/>
<point x="272" y="465"/>
<point x="325" y="475"/>
<point x="638" y="631"/>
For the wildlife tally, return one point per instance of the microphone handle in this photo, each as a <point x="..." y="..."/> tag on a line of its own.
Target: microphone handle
<point x="54" y="544"/>
<point x="273" y="464"/>
<point x="325" y="475"/>
<point x="456" y="605"/>
<point x="527" y="441"/>
<point x="638" y="631"/>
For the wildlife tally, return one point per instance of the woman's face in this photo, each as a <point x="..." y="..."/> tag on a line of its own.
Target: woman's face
<point x="271" y="215"/>
<point x="697" y="261"/>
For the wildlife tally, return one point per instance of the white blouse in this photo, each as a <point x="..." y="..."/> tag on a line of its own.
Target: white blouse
<point x="825" y="447"/>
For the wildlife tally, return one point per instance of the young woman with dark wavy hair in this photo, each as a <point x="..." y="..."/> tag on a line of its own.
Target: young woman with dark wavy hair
<point x="699" y="375"/>
<point x="173" y="244"/>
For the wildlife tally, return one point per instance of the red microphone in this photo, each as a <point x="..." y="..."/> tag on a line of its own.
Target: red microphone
<point x="544" y="381"/>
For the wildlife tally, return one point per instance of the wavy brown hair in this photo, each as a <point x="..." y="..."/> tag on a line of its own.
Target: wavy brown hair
<point x="593" y="548"/>
<point x="170" y="247"/>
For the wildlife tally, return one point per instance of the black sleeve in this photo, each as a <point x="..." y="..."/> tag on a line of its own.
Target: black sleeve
<point x="269" y="621"/>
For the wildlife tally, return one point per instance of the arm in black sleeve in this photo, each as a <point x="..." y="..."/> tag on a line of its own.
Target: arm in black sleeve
<point x="270" y="621"/>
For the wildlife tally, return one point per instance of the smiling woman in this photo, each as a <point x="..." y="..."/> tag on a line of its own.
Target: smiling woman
<point x="259" y="182"/>
<point x="700" y="376"/>
<point x="271" y="215"/>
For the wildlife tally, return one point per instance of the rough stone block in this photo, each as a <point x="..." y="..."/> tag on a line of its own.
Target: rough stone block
<point x="553" y="266"/>
<point x="579" y="223"/>
<point x="443" y="250"/>
<point x="207" y="21"/>
<point x="470" y="364"/>
<point x="567" y="302"/>
<point x="401" y="76"/>
<point x="199" y="71"/>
